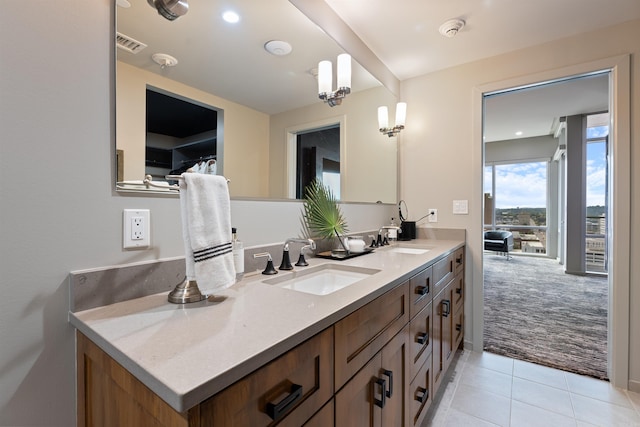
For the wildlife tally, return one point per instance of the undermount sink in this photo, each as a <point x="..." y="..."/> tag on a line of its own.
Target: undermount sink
<point x="409" y="250"/>
<point x="322" y="279"/>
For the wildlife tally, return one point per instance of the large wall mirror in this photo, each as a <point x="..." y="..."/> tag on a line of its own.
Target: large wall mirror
<point x="247" y="107"/>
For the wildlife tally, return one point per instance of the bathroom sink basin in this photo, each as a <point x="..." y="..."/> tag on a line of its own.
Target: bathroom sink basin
<point x="409" y="250"/>
<point x="322" y="279"/>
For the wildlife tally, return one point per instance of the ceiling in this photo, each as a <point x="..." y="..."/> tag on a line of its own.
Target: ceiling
<point x="403" y="34"/>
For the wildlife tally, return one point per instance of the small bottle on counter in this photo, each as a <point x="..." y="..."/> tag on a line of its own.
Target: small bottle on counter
<point x="393" y="233"/>
<point x="238" y="254"/>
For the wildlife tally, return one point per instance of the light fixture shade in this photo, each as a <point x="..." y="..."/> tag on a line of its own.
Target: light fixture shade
<point x="401" y="113"/>
<point x="344" y="71"/>
<point x="324" y="77"/>
<point x="383" y="117"/>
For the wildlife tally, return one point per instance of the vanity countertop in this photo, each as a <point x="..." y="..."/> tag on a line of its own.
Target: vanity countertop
<point x="187" y="353"/>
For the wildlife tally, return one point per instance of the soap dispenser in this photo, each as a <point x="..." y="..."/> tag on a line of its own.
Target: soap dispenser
<point x="238" y="254"/>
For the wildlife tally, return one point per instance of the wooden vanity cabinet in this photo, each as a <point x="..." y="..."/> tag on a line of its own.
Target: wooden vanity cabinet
<point x="379" y="366"/>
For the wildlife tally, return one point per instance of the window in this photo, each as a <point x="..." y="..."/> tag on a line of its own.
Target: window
<point x="516" y="200"/>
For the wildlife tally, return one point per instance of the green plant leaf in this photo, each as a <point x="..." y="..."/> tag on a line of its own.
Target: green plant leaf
<point x="322" y="216"/>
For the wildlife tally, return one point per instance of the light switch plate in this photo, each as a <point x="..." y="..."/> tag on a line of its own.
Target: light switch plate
<point x="460" y="207"/>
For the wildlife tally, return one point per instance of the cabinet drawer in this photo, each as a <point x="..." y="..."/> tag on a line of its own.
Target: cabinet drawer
<point x="442" y="273"/>
<point x="360" y="335"/>
<point x="420" y="337"/>
<point x="290" y="389"/>
<point x="420" y="287"/>
<point x="458" y="260"/>
<point x="421" y="394"/>
<point x="458" y="292"/>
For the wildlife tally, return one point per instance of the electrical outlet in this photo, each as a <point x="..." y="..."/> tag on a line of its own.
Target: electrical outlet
<point x="433" y="215"/>
<point x="136" y="229"/>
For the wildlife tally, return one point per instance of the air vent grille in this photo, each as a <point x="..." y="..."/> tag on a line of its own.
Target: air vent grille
<point x="129" y="44"/>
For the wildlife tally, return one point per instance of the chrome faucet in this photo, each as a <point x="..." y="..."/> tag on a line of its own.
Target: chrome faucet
<point x="286" y="261"/>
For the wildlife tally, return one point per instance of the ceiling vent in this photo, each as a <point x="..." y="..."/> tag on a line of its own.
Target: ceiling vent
<point x="129" y="44"/>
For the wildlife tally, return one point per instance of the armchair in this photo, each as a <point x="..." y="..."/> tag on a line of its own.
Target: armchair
<point x="499" y="241"/>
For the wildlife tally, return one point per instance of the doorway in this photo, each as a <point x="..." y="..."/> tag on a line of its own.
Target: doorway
<point x="542" y="200"/>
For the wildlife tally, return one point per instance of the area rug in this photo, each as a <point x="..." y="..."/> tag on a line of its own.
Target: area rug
<point x="535" y="312"/>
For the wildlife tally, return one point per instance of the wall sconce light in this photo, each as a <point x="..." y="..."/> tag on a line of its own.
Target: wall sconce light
<point x="325" y="80"/>
<point x="383" y="119"/>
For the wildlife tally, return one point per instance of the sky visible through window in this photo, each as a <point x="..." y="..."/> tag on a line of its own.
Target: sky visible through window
<point x="524" y="185"/>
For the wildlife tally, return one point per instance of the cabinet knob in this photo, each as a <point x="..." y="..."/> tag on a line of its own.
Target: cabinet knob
<point x="458" y="327"/>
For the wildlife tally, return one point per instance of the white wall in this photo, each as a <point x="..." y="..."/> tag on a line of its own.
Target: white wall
<point x="58" y="212"/>
<point x="440" y="163"/>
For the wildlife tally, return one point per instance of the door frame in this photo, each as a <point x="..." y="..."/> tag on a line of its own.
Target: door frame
<point x="620" y="198"/>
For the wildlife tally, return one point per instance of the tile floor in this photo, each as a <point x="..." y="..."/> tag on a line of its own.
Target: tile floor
<point x="485" y="389"/>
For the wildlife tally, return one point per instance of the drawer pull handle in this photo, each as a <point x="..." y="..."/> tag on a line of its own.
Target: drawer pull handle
<point x="458" y="327"/>
<point x="459" y="259"/>
<point x="276" y="410"/>
<point x="459" y="290"/>
<point x="422" y="394"/>
<point x="446" y="308"/>
<point x="422" y="290"/>
<point x="422" y="337"/>
<point x="383" y="385"/>
<point x="389" y="374"/>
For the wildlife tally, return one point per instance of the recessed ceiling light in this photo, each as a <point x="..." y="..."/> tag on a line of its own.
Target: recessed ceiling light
<point x="519" y="133"/>
<point x="231" y="17"/>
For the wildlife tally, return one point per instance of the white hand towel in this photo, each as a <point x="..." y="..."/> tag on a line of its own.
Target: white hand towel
<point x="206" y="228"/>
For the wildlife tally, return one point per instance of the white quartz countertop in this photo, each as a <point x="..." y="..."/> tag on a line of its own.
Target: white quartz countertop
<point x="187" y="353"/>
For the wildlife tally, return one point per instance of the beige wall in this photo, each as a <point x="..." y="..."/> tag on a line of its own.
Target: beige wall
<point x="369" y="162"/>
<point x="245" y="146"/>
<point x="439" y="163"/>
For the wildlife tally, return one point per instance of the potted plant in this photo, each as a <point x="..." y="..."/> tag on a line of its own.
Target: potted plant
<point x="322" y="216"/>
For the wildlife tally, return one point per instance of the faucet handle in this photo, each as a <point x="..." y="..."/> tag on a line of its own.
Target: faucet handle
<point x="286" y="261"/>
<point x="301" y="261"/>
<point x="269" y="269"/>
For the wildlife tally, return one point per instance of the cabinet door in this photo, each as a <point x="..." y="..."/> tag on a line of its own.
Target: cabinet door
<point x="395" y="369"/>
<point x="360" y="402"/>
<point x="364" y="332"/>
<point x="442" y="334"/>
<point x="378" y="395"/>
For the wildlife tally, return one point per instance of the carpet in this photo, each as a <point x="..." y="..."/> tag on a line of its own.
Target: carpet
<point x="535" y="312"/>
